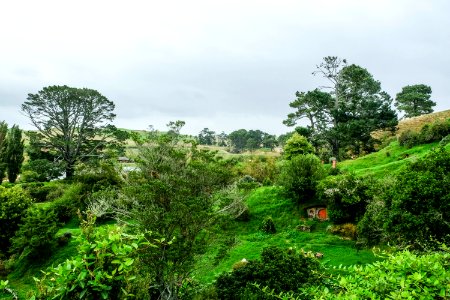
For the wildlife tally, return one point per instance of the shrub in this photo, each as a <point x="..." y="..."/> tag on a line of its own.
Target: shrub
<point x="67" y="205"/>
<point x="247" y="183"/>
<point x="297" y="145"/>
<point x="278" y="269"/>
<point x="402" y="275"/>
<point x="36" y="235"/>
<point x="14" y="203"/>
<point x="268" y="226"/>
<point x="300" y="175"/>
<point x="419" y="202"/>
<point x="42" y="170"/>
<point x="346" y="230"/>
<point x="105" y="267"/>
<point x="408" y="139"/>
<point x="346" y="197"/>
<point x="261" y="168"/>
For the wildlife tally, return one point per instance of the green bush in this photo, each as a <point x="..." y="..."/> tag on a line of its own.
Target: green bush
<point x="402" y="275"/>
<point x="297" y="145"/>
<point x="419" y="202"/>
<point x="346" y="197"/>
<point x="268" y="226"/>
<point x="67" y="205"/>
<point x="409" y="139"/>
<point x="38" y="191"/>
<point x="41" y="170"/>
<point x="278" y="269"/>
<point x="105" y="267"/>
<point x="36" y="235"/>
<point x="300" y="176"/>
<point x="14" y="203"/>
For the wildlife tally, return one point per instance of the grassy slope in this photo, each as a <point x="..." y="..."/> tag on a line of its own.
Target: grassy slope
<point x="21" y="278"/>
<point x="388" y="160"/>
<point x="269" y="202"/>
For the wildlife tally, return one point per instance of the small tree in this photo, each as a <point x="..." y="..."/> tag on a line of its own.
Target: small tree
<point x="171" y="196"/>
<point x="414" y="100"/>
<point x="14" y="153"/>
<point x="73" y="122"/>
<point x="297" y="145"/>
<point x="300" y="176"/>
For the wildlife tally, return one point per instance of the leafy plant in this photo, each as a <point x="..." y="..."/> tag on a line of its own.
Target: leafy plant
<point x="104" y="269"/>
<point x="278" y="269"/>
<point x="14" y="203"/>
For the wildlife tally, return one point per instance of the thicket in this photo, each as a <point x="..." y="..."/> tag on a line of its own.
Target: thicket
<point x="415" y="208"/>
<point x="14" y="202"/>
<point x="279" y="269"/>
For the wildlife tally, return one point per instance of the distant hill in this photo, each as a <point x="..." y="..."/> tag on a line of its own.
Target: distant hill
<point x="416" y="123"/>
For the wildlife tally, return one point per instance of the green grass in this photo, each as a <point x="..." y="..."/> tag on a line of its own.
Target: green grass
<point x="21" y="278"/>
<point x="387" y="161"/>
<point x="250" y="241"/>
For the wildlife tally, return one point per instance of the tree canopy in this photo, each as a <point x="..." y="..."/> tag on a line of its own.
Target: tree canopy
<point x="344" y="117"/>
<point x="415" y="100"/>
<point x="71" y="121"/>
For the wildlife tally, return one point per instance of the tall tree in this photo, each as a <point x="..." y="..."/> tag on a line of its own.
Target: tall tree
<point x="415" y="100"/>
<point x="364" y="107"/>
<point x="355" y="106"/>
<point x="14" y="153"/>
<point x="206" y="137"/>
<point x="71" y="121"/>
<point x="3" y="146"/>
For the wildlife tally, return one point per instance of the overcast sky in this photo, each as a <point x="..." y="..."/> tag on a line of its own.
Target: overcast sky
<point x="225" y="64"/>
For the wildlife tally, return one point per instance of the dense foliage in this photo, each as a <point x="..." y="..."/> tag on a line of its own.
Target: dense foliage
<point x="35" y="237"/>
<point x="419" y="203"/>
<point x="14" y="203"/>
<point x="346" y="197"/>
<point x="300" y="176"/>
<point x="170" y="195"/>
<point x="72" y="122"/>
<point x="402" y="275"/>
<point x="278" y="269"/>
<point x="105" y="267"/>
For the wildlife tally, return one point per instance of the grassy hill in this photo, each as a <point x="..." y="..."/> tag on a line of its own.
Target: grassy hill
<point x="236" y="240"/>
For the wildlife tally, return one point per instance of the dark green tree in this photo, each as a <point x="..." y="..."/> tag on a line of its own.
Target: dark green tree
<point x="14" y="153"/>
<point x="238" y="139"/>
<point x="70" y="121"/>
<point x="355" y="107"/>
<point x="315" y="106"/>
<point x="206" y="137"/>
<point x="3" y="146"/>
<point x="364" y="107"/>
<point x="414" y="100"/>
